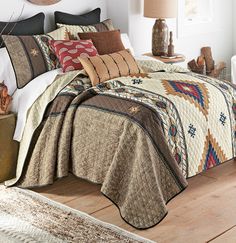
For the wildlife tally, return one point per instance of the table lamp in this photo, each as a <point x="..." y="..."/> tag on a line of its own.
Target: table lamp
<point x="160" y="10"/>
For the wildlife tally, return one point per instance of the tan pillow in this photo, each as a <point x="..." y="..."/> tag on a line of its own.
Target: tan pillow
<point x="73" y="30"/>
<point x="106" y="67"/>
<point x="106" y="42"/>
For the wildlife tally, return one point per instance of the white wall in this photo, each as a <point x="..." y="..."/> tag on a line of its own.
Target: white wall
<point x="140" y="30"/>
<point x="70" y="6"/>
<point x="118" y="11"/>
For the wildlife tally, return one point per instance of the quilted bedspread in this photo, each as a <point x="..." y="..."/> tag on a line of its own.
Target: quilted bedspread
<point x="140" y="138"/>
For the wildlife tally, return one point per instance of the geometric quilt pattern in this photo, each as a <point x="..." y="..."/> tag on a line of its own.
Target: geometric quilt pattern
<point x="195" y="93"/>
<point x="212" y="154"/>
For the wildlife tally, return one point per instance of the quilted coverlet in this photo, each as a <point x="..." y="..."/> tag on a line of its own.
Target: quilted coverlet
<point x="140" y="138"/>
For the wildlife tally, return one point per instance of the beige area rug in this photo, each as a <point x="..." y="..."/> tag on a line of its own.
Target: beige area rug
<point x="26" y="216"/>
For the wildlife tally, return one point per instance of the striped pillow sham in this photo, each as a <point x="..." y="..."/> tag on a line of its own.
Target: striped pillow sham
<point x="73" y="30"/>
<point x="32" y="56"/>
<point x="110" y="66"/>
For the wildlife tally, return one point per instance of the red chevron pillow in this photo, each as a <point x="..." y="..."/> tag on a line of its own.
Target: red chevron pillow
<point x="68" y="52"/>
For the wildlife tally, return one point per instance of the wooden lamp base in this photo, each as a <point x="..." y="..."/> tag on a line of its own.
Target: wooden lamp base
<point x="160" y="38"/>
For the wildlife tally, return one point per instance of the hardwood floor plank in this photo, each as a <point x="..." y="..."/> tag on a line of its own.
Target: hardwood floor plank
<point x="227" y="237"/>
<point x="90" y="203"/>
<point x="111" y="215"/>
<point x="68" y="189"/>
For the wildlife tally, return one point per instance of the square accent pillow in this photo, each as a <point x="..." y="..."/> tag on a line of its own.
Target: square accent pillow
<point x="73" y="30"/>
<point x="106" y="67"/>
<point x="106" y="42"/>
<point x="32" y="56"/>
<point x="69" y="51"/>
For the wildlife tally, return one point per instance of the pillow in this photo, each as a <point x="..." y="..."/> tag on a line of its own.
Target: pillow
<point x="68" y="52"/>
<point x="73" y="30"/>
<point x="106" y="42"/>
<point x="89" y="18"/>
<point x="30" y="26"/>
<point x="106" y="67"/>
<point x="7" y="74"/>
<point x="126" y="42"/>
<point x="31" y="55"/>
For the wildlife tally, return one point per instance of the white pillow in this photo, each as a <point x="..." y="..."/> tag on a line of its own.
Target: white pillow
<point x="7" y="73"/>
<point x="126" y="42"/>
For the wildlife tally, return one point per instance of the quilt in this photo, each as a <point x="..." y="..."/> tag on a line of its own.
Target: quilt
<point x="140" y="138"/>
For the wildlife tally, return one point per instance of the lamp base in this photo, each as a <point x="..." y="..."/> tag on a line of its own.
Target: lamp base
<point x="160" y="38"/>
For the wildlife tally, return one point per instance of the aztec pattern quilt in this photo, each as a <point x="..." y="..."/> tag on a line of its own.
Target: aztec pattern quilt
<point x="198" y="115"/>
<point x="140" y="138"/>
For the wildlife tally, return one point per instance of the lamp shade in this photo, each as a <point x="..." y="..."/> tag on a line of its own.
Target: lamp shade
<point x="160" y="8"/>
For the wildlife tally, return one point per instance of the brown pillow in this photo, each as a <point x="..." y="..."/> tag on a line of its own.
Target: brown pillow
<point x="106" y="67"/>
<point x="105" y="42"/>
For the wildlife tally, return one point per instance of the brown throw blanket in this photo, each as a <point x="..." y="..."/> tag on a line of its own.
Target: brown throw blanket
<point x="112" y="141"/>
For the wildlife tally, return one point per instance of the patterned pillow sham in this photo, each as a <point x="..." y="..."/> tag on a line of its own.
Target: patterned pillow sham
<point x="32" y="56"/>
<point x="106" y="67"/>
<point x="73" y="30"/>
<point x="68" y="52"/>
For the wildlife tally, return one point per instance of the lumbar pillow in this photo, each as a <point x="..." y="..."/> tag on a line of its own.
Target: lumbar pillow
<point x="106" y="42"/>
<point x="32" y="55"/>
<point x="68" y="52"/>
<point x="73" y="30"/>
<point x="30" y="26"/>
<point x="106" y="67"/>
<point x="89" y="18"/>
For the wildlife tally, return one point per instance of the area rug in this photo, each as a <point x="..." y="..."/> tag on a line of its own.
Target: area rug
<point x="26" y="216"/>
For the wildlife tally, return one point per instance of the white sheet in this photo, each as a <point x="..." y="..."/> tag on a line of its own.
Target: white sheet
<point x="24" y="98"/>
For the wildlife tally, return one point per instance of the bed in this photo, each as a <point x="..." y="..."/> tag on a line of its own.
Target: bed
<point x="139" y="137"/>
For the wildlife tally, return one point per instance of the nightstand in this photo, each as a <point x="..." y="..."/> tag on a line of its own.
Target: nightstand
<point x="8" y="147"/>
<point x="180" y="58"/>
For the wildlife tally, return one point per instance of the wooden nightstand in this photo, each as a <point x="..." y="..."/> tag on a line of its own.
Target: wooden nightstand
<point x="179" y="59"/>
<point x="8" y="147"/>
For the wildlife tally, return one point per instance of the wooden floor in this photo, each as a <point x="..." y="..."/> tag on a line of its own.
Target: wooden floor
<point x="204" y="212"/>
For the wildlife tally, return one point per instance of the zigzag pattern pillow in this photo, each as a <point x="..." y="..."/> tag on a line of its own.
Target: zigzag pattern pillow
<point x="31" y="56"/>
<point x="73" y="30"/>
<point x="68" y="52"/>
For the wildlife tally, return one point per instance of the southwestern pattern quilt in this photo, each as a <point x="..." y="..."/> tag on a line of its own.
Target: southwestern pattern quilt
<point x="140" y="138"/>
